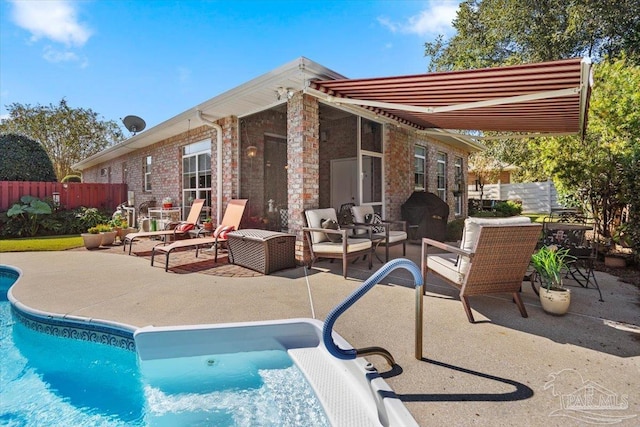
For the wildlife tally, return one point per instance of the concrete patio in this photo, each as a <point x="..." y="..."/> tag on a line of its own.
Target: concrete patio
<point x="503" y="370"/>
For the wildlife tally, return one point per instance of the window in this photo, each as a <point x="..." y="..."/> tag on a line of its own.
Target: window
<point x="196" y="173"/>
<point x="146" y="170"/>
<point x="371" y="161"/>
<point x="420" y="167"/>
<point x="458" y="186"/>
<point x="441" y="173"/>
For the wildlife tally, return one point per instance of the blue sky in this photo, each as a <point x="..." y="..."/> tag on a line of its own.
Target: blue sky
<point x="157" y="58"/>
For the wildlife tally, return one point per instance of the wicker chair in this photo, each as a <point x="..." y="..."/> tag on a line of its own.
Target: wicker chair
<point x="493" y="258"/>
<point x="320" y="245"/>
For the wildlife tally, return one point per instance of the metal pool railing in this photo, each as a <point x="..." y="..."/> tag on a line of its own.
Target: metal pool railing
<point x="332" y="317"/>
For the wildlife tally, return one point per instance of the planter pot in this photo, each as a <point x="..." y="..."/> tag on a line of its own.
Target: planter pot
<point x="108" y="237"/>
<point x="167" y="205"/>
<point x="208" y="226"/>
<point x="555" y="302"/>
<point x="615" y="261"/>
<point x="91" y="241"/>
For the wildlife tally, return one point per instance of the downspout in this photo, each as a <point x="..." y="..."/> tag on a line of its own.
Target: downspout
<point x="218" y="129"/>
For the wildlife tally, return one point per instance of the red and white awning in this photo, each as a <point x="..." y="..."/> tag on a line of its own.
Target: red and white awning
<point x="547" y="98"/>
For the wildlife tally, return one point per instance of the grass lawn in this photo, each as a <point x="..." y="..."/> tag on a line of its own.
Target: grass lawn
<point x="46" y="243"/>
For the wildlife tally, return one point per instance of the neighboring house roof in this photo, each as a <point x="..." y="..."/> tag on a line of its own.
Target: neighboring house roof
<point x="546" y="97"/>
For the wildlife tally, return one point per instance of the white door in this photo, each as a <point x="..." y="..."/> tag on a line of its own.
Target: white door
<point x="344" y="182"/>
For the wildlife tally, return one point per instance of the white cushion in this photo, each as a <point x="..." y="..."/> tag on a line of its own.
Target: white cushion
<point x="472" y="226"/>
<point x="444" y="265"/>
<point x="394" y="236"/>
<point x="353" y="245"/>
<point x="359" y="215"/>
<point x="314" y="220"/>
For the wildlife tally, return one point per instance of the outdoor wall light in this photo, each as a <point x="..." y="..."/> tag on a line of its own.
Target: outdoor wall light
<point x="252" y="151"/>
<point x="56" y="199"/>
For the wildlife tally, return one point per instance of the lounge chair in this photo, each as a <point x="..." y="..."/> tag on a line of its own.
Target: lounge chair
<point x="384" y="236"/>
<point x="493" y="258"/>
<point x="231" y="221"/>
<point x="181" y="230"/>
<point x="321" y="246"/>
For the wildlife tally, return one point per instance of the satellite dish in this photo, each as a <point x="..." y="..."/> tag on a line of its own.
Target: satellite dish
<point x="134" y="124"/>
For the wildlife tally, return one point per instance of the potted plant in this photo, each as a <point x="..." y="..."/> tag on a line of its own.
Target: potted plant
<point x="207" y="224"/>
<point x="92" y="238"/>
<point x="108" y="234"/>
<point x="549" y="263"/>
<point x="167" y="203"/>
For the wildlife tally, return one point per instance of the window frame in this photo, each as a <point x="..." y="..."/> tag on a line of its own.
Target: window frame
<point x="441" y="175"/>
<point x="422" y="158"/>
<point x="146" y="172"/>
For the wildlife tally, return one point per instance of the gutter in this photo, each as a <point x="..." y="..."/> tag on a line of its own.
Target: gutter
<point x="218" y="129"/>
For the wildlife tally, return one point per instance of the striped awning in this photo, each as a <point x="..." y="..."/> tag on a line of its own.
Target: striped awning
<point x="548" y="98"/>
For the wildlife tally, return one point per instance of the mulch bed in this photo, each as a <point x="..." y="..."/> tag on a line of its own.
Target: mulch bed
<point x="182" y="261"/>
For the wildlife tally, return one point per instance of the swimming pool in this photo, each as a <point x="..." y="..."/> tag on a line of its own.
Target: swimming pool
<point x="266" y="373"/>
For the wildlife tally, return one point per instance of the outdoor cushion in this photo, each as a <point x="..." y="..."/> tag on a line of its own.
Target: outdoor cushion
<point x="330" y="224"/>
<point x="472" y="230"/>
<point x="353" y="245"/>
<point x="444" y="265"/>
<point x="374" y="218"/>
<point x="222" y="231"/>
<point x="183" y="228"/>
<point x="314" y="220"/>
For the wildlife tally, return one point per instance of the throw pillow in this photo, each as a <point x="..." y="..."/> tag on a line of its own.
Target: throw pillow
<point x="222" y="231"/>
<point x="330" y="224"/>
<point x="183" y="228"/>
<point x="374" y="218"/>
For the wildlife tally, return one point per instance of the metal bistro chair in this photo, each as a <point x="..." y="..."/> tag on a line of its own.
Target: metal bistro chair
<point x="573" y="236"/>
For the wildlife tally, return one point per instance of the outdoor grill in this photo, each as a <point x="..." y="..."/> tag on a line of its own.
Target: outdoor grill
<point x="426" y="214"/>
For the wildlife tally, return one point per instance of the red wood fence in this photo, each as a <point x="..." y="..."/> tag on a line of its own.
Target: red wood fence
<point x="72" y="194"/>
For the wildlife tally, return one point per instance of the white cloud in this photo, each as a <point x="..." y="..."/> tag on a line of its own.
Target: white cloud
<point x="54" y="19"/>
<point x="436" y="19"/>
<point x="54" y="55"/>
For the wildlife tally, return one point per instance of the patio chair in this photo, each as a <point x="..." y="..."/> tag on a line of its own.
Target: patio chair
<point x="572" y="235"/>
<point x="181" y="230"/>
<point x="492" y="258"/>
<point x="230" y="222"/>
<point x="383" y="235"/>
<point x="344" y="247"/>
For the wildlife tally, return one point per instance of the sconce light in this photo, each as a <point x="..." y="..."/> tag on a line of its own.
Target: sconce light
<point x="56" y="199"/>
<point x="252" y="151"/>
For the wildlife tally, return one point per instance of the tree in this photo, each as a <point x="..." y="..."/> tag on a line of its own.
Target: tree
<point x="503" y="32"/>
<point x="602" y="168"/>
<point x="24" y="159"/>
<point x="67" y="134"/>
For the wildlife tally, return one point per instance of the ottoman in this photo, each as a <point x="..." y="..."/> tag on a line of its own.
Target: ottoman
<point x="262" y="250"/>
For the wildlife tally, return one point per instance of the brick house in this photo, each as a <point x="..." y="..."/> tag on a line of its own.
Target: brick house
<point x="303" y="136"/>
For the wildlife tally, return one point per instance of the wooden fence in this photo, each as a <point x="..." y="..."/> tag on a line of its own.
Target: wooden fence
<point x="72" y="194"/>
<point x="536" y="197"/>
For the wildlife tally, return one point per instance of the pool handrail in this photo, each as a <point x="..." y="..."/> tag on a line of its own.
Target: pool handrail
<point x="333" y="315"/>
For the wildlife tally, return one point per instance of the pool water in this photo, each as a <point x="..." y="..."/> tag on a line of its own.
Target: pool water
<point x="51" y="381"/>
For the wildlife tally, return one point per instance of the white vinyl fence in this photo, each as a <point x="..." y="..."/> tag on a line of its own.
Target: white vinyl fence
<point x="536" y="197"/>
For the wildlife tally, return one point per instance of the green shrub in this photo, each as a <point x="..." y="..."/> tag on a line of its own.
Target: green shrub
<point x="508" y="208"/>
<point x="454" y="230"/>
<point x="27" y="215"/>
<point x="24" y="159"/>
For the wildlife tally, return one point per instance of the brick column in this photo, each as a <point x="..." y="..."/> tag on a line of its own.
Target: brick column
<point x="303" y="159"/>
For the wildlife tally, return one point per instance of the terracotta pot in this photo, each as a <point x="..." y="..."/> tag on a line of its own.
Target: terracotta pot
<point x="167" y="205"/>
<point x="615" y="261"/>
<point x="555" y="302"/>
<point x="91" y="241"/>
<point x="208" y="226"/>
